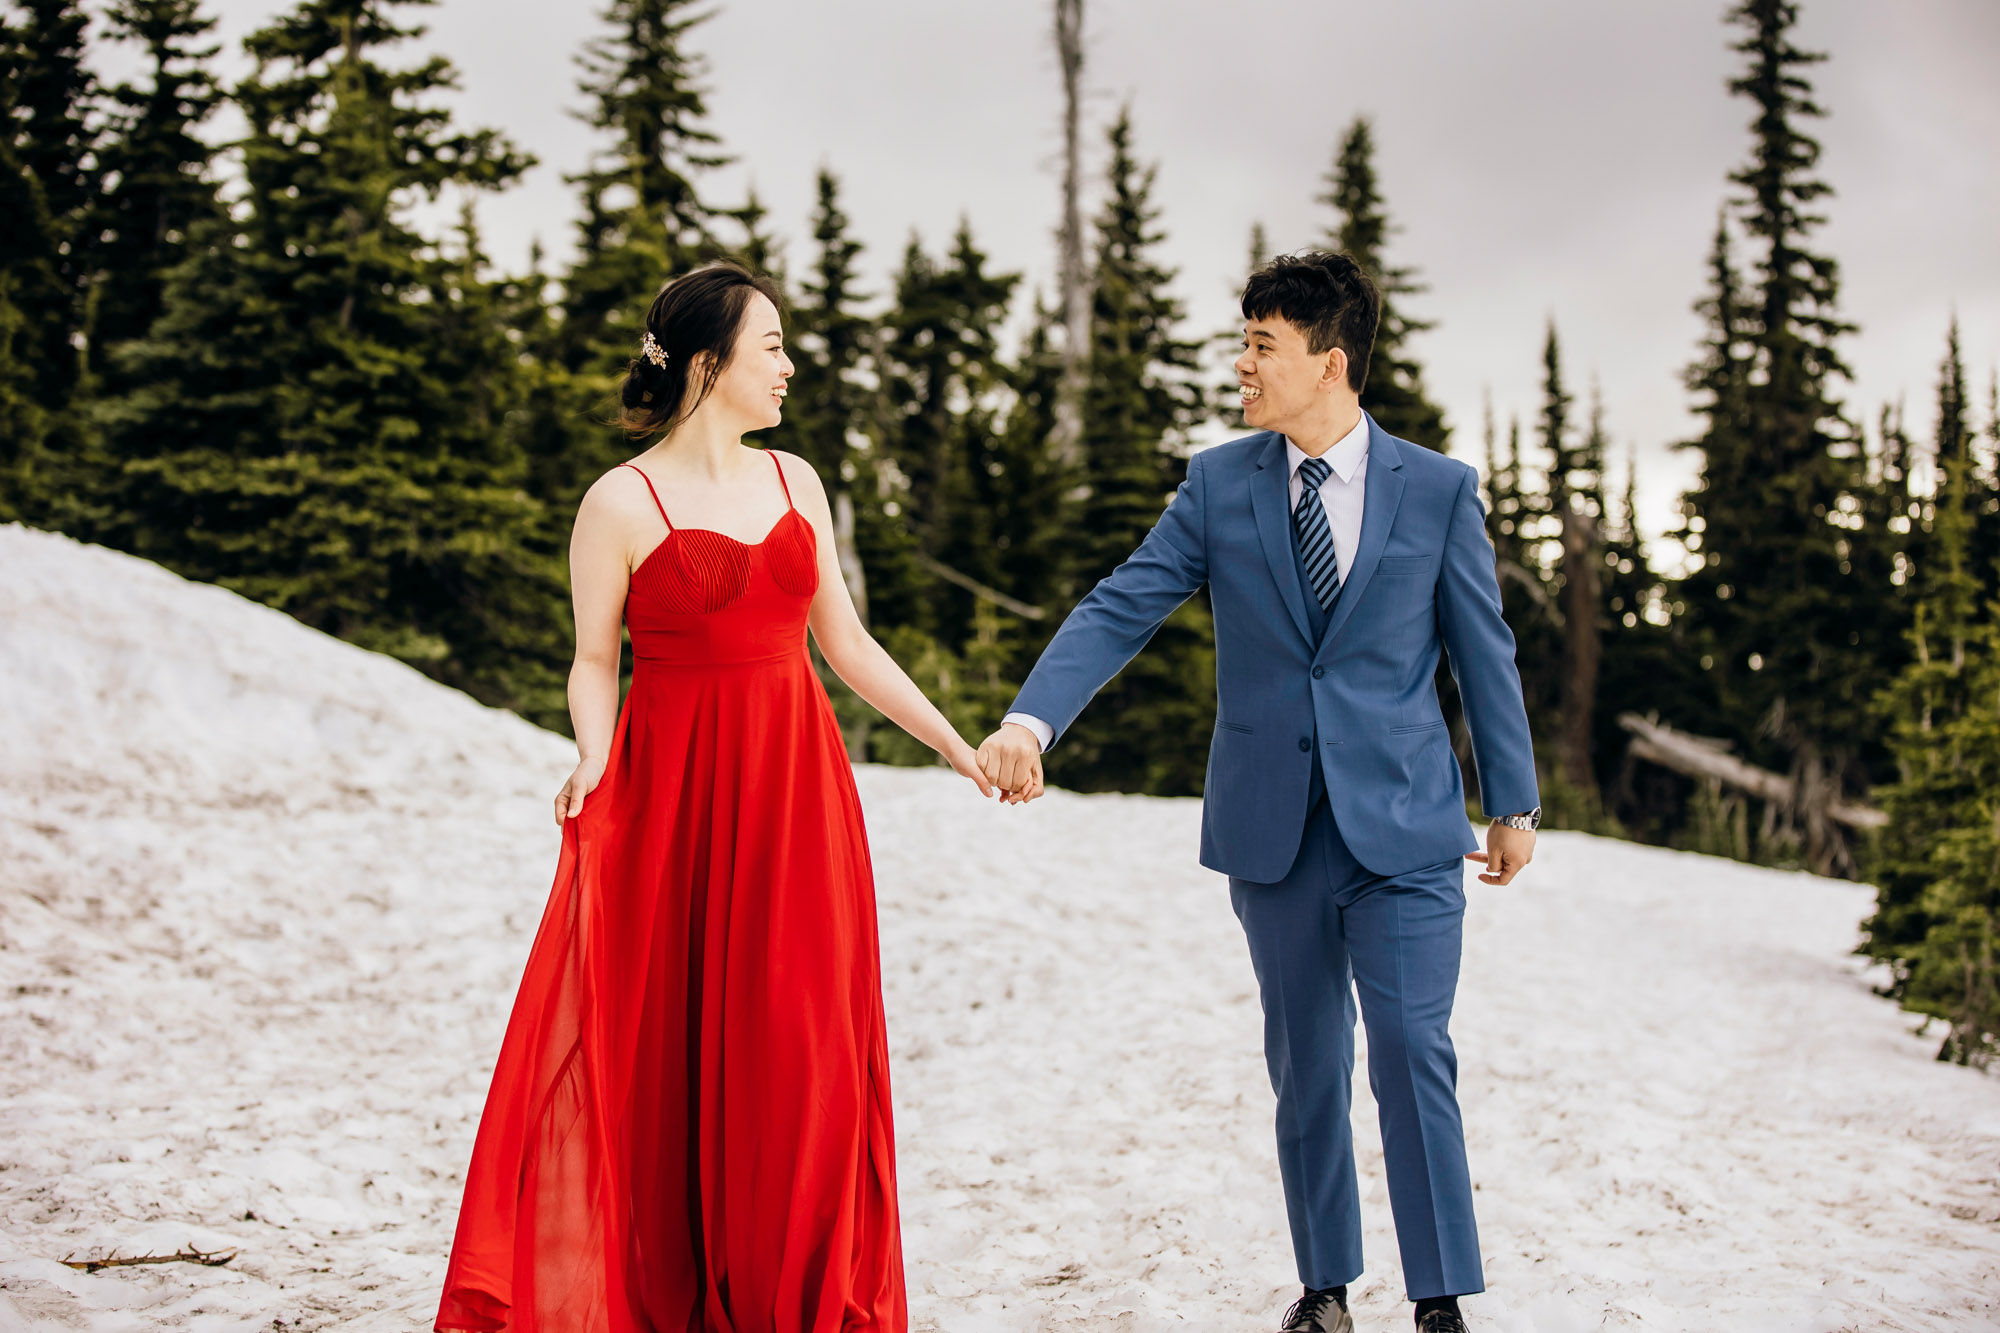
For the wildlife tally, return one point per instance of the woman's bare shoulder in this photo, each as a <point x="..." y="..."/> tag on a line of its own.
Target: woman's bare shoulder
<point x="800" y="475"/>
<point x="617" y="506"/>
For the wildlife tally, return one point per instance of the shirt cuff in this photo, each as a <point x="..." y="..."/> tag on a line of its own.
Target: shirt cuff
<point x="1044" y="733"/>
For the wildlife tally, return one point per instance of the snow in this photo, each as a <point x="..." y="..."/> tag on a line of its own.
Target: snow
<point x="264" y="896"/>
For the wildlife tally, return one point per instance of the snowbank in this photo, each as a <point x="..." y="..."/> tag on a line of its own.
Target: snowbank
<point x="263" y="898"/>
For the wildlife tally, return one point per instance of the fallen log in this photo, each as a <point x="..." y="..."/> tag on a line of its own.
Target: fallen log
<point x="1705" y="757"/>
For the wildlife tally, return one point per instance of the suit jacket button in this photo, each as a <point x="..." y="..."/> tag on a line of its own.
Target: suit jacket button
<point x="1305" y="744"/>
<point x="1318" y="672"/>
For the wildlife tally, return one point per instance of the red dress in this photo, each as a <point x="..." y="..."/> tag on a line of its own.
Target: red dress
<point x="688" y="1129"/>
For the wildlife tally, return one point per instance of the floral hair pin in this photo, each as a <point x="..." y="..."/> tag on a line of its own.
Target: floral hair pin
<point x="649" y="347"/>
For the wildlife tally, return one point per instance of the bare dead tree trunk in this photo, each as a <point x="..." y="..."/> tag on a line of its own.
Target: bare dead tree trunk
<point x="851" y="571"/>
<point x="1582" y="645"/>
<point x="1066" y="443"/>
<point x="1817" y="789"/>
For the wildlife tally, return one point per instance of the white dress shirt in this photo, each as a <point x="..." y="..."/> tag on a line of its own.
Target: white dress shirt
<point x="1341" y="494"/>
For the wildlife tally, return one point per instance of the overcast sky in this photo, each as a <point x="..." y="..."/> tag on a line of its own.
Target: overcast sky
<point x="1542" y="158"/>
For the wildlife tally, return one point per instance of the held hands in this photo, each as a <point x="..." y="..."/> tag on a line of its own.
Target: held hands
<point x="1011" y="759"/>
<point x="569" y="801"/>
<point x="1508" y="851"/>
<point x="966" y="764"/>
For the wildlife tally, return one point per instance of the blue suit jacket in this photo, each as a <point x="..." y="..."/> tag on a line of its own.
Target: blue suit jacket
<point x="1362" y="701"/>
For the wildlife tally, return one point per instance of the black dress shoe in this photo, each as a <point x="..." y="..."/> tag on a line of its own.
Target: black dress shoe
<point x="1441" y="1321"/>
<point x="1317" y="1312"/>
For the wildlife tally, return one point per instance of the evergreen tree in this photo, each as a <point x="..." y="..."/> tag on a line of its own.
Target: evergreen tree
<point x="1141" y="402"/>
<point x="28" y="286"/>
<point x="760" y="251"/>
<point x="644" y="219"/>
<point x="316" y="418"/>
<point x="1503" y="490"/>
<point x="1576" y="500"/>
<point x="828" y="418"/>
<point x="1898" y="511"/>
<point x="1629" y="582"/>
<point x="1036" y="496"/>
<point x="1937" y="921"/>
<point x="47" y="177"/>
<point x="938" y="415"/>
<point x="1772" y="605"/>
<point x="1645" y="671"/>
<point x="829" y="345"/>
<point x="50" y="96"/>
<point x="155" y="165"/>
<point x="942" y="372"/>
<point x="1395" y="394"/>
<point x="1260" y="247"/>
<point x="1985" y="489"/>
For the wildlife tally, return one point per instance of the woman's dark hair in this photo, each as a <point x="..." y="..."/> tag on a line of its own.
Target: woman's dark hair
<point x="1328" y="297"/>
<point x="699" y="312"/>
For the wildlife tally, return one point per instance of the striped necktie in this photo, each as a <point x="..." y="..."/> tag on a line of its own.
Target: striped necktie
<point x="1315" y="535"/>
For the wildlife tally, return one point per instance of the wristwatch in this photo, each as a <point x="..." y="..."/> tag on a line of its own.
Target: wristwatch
<point x="1527" y="823"/>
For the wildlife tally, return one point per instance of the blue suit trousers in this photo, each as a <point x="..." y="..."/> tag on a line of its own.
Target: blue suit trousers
<point x="1329" y="930"/>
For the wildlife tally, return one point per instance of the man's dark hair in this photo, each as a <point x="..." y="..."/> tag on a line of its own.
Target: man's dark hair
<point x="1328" y="297"/>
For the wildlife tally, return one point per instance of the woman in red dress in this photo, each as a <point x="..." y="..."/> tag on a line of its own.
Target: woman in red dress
<point x="689" y="1129"/>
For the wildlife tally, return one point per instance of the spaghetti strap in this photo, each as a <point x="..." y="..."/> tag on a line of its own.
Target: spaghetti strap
<point x="656" y="495"/>
<point x="782" y="482"/>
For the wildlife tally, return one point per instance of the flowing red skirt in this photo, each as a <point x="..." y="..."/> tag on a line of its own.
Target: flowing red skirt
<point x="689" y="1124"/>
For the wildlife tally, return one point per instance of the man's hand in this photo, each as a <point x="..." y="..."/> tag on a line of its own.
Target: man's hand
<point x="1011" y="759"/>
<point x="1508" y="851"/>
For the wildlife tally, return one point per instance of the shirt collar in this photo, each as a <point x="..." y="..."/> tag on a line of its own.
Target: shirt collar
<point x="1344" y="458"/>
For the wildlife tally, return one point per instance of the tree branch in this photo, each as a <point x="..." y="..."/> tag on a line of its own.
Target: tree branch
<point x="978" y="589"/>
<point x="191" y="1255"/>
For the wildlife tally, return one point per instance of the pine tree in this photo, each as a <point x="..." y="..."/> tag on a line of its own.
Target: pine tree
<point x="1503" y="489"/>
<point x="316" y="419"/>
<point x="1629" y="582"/>
<point x="1985" y="491"/>
<point x="51" y="95"/>
<point x="23" y="422"/>
<point x="155" y="164"/>
<point x="1576" y="501"/>
<point x="942" y="370"/>
<point x="1937" y="920"/>
<point x="1037" y="496"/>
<point x="1147" y="730"/>
<point x="47" y="177"/>
<point x="644" y="219"/>
<point x="1773" y="604"/>
<point x="829" y="342"/>
<point x="1898" y="510"/>
<point x="1575" y="505"/>
<point x="27" y="277"/>
<point x="1395" y="394"/>
<point x="760" y="251"/>
<point x="1225" y="397"/>
<point x="828" y="422"/>
<point x="937" y="416"/>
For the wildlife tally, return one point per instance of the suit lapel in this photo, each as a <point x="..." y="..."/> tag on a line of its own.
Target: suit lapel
<point x="1383" y="494"/>
<point x="1270" y="502"/>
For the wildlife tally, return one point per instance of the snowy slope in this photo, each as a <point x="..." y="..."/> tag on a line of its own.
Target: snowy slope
<point x="263" y="898"/>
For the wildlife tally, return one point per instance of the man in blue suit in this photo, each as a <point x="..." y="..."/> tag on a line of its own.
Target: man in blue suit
<point x="1339" y="560"/>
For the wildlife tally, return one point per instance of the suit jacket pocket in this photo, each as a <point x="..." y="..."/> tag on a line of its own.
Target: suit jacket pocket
<point x="1233" y="726"/>
<point x="1419" y="726"/>
<point x="1391" y="566"/>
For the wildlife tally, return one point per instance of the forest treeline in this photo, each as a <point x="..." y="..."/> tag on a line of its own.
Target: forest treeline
<point x="246" y="361"/>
